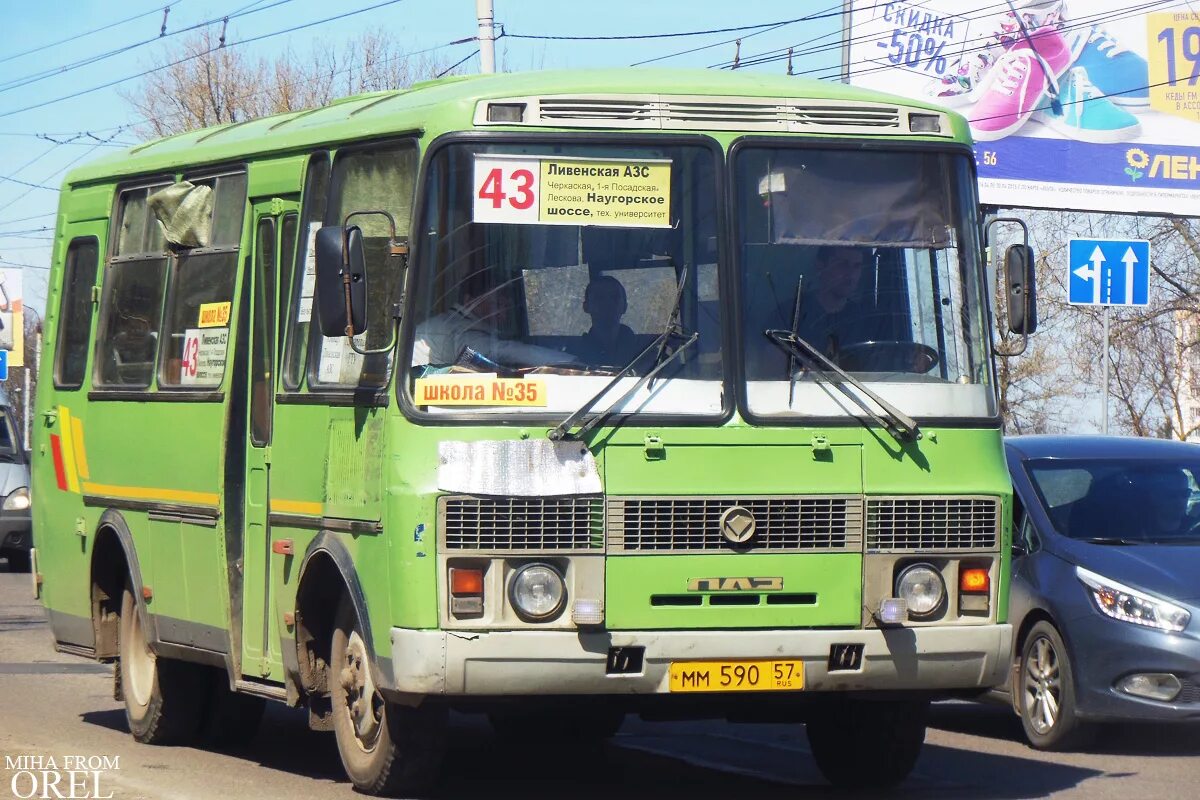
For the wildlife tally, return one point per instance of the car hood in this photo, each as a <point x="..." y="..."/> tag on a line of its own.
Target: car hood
<point x="1169" y="571"/>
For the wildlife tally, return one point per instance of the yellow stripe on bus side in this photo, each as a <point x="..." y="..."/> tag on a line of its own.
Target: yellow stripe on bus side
<point x="297" y="507"/>
<point x="80" y="450"/>
<point x="145" y="493"/>
<point x="68" y="450"/>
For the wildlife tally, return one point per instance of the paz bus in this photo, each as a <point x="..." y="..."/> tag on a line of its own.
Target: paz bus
<point x="551" y="396"/>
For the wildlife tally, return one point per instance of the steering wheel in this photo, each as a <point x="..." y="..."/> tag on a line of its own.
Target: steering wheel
<point x="887" y="356"/>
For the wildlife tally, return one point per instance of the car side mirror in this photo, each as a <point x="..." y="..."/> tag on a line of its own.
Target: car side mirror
<point x="1020" y="269"/>
<point x="341" y="284"/>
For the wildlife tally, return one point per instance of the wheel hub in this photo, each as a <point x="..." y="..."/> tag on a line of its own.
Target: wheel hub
<point x="363" y="702"/>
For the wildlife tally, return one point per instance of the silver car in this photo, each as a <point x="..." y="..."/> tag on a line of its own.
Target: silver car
<point x="16" y="531"/>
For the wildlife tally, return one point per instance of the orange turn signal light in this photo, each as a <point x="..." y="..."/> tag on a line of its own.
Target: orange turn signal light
<point x="974" y="580"/>
<point x="466" y="581"/>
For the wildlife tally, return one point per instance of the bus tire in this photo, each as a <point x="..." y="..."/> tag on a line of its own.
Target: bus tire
<point x="865" y="744"/>
<point x="163" y="697"/>
<point x="386" y="749"/>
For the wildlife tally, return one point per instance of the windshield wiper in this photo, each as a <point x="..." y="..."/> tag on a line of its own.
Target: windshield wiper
<point x="660" y="345"/>
<point x="1109" y="540"/>
<point x="895" y="421"/>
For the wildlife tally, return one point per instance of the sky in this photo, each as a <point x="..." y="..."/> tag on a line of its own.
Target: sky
<point x="44" y="131"/>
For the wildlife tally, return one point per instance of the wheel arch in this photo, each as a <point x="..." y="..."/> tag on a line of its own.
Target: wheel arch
<point x="327" y="573"/>
<point x="114" y="561"/>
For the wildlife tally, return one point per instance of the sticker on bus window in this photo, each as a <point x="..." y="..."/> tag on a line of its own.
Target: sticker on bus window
<point x="203" y="362"/>
<point x="308" y="283"/>
<point x="547" y="190"/>
<point x="214" y="315"/>
<point x="479" y="390"/>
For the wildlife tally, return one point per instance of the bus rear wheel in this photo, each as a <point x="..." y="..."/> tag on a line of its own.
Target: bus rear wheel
<point x="386" y="749"/>
<point x="163" y="697"/>
<point x="868" y="744"/>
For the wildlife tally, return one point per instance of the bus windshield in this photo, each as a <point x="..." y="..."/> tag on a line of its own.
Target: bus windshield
<point x="872" y="258"/>
<point x="510" y="285"/>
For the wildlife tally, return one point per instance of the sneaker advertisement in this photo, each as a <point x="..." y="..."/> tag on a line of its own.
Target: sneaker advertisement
<point x="1073" y="104"/>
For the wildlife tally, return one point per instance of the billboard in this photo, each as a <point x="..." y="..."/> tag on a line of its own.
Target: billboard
<point x="1074" y="104"/>
<point x="12" y="329"/>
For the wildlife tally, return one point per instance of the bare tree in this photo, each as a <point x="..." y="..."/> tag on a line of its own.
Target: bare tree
<point x="202" y="82"/>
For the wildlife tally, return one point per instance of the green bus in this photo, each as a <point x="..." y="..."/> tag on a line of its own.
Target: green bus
<point x="551" y="396"/>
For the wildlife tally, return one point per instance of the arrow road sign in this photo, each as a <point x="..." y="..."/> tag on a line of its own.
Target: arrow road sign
<point x="1109" y="272"/>
<point x="3" y="365"/>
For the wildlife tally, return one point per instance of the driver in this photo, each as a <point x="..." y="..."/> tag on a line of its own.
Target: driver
<point x="608" y="341"/>
<point x="1164" y="493"/>
<point x="834" y="313"/>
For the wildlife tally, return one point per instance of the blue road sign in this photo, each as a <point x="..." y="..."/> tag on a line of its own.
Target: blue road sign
<point x="1109" y="272"/>
<point x="3" y="365"/>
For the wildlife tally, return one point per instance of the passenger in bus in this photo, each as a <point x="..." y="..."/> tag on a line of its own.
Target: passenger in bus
<point x="608" y="342"/>
<point x="475" y="326"/>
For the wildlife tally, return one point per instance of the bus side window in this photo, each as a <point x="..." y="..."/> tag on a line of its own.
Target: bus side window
<point x="195" y="334"/>
<point x="127" y="337"/>
<point x="75" y="313"/>
<point x="382" y="178"/>
<point x="304" y="272"/>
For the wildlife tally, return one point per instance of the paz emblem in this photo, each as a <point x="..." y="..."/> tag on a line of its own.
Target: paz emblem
<point x="737" y="525"/>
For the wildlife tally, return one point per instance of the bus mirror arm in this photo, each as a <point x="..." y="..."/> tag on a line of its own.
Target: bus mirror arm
<point x="1019" y="283"/>
<point x="342" y="280"/>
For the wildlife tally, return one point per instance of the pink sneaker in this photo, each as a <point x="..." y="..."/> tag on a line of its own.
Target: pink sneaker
<point x="1014" y="88"/>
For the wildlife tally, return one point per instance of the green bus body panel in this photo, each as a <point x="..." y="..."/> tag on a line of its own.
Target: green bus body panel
<point x="631" y="582"/>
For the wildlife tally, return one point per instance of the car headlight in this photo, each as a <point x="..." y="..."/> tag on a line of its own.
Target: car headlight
<point x="922" y="589"/>
<point x="1129" y="605"/>
<point x="537" y="592"/>
<point x="17" y="501"/>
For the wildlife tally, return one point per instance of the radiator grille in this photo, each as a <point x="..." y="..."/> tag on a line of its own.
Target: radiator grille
<point x="666" y="524"/>
<point x="521" y="523"/>
<point x="694" y="112"/>
<point x="932" y="523"/>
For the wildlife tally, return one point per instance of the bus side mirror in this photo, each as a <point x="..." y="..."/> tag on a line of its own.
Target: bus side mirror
<point x="1019" y="273"/>
<point x="341" y="284"/>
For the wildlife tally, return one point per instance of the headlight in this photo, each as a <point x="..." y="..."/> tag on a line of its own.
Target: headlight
<point x="537" y="592"/>
<point x="922" y="588"/>
<point x="1129" y="605"/>
<point x="17" y="501"/>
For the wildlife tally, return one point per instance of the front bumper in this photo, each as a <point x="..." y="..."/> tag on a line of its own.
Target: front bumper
<point x="464" y="663"/>
<point x="15" y="531"/>
<point x="1107" y="650"/>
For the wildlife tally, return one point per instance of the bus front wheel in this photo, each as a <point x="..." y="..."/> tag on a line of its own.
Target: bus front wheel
<point x="867" y="744"/>
<point x="386" y="749"/>
<point x="162" y="696"/>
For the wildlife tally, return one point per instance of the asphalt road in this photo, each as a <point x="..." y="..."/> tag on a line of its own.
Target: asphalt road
<point x="60" y="706"/>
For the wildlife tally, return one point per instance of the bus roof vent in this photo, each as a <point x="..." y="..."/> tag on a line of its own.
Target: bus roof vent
<point x="696" y="112"/>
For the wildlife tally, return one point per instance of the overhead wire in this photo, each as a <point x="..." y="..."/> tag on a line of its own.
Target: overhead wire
<point x="39" y="48"/>
<point x="194" y="56"/>
<point x="26" y="80"/>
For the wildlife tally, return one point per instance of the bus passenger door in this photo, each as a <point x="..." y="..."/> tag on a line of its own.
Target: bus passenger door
<point x="274" y="237"/>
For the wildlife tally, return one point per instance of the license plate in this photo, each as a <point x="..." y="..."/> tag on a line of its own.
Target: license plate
<point x="737" y="676"/>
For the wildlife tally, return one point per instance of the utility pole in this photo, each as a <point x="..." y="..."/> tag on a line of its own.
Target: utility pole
<point x="847" y="28"/>
<point x="487" y="36"/>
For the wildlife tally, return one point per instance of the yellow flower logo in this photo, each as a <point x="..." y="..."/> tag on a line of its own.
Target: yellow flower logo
<point x="1137" y="158"/>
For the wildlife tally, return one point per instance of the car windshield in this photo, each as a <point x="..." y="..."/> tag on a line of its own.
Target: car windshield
<point x="9" y="449"/>
<point x="1121" y="500"/>
<point x="873" y="258"/>
<point x="551" y="266"/>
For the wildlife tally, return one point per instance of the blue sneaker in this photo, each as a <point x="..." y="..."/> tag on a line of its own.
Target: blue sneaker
<point x="1120" y="74"/>
<point x="1087" y="115"/>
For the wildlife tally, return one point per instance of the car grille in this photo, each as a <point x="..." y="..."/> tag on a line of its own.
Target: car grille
<point x="658" y="524"/>
<point x="932" y="523"/>
<point x="521" y="523"/>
